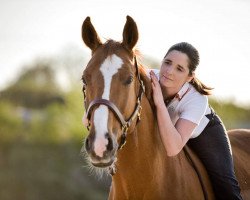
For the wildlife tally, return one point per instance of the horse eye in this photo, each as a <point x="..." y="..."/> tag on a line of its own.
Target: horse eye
<point x="129" y="80"/>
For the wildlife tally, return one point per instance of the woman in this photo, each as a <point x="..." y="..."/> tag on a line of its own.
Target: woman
<point x="183" y="115"/>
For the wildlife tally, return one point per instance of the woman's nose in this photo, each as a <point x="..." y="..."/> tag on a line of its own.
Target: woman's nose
<point x="169" y="69"/>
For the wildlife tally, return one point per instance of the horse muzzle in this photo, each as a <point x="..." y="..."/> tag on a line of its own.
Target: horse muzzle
<point x="101" y="151"/>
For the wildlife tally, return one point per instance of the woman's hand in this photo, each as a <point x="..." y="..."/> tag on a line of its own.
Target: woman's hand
<point x="157" y="93"/>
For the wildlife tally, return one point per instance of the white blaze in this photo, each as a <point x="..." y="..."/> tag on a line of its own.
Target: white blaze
<point x="108" y="69"/>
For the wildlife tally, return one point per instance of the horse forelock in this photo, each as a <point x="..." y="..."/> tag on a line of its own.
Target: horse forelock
<point x="112" y="47"/>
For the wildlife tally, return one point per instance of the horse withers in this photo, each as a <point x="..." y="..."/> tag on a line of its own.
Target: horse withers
<point x="123" y="132"/>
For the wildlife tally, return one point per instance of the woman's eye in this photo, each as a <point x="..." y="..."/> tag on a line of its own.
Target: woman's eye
<point x="167" y="62"/>
<point x="129" y="80"/>
<point x="179" y="69"/>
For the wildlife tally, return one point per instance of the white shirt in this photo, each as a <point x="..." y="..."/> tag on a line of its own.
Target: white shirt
<point x="188" y="104"/>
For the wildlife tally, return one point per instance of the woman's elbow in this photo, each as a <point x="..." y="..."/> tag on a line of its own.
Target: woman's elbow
<point x="173" y="152"/>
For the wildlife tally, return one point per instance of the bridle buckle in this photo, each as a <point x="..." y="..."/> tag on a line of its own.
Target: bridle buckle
<point x="125" y="128"/>
<point x="139" y="113"/>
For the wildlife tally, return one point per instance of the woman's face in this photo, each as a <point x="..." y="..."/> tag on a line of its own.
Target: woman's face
<point x="174" y="71"/>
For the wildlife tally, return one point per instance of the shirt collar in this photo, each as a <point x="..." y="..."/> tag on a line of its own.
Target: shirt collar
<point x="183" y="91"/>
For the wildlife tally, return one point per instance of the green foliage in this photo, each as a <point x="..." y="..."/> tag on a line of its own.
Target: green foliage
<point x="232" y="115"/>
<point x="36" y="109"/>
<point x="46" y="171"/>
<point x="54" y="123"/>
<point x="9" y="122"/>
<point x="35" y="88"/>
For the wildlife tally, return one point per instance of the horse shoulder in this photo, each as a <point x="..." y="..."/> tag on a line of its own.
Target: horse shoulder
<point x="200" y="171"/>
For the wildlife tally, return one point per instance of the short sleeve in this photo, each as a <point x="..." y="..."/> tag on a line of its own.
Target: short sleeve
<point x="194" y="108"/>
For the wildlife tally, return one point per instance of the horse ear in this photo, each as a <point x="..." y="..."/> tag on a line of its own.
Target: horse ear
<point x="89" y="35"/>
<point x="130" y="34"/>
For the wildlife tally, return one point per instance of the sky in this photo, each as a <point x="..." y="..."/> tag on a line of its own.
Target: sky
<point x="219" y="29"/>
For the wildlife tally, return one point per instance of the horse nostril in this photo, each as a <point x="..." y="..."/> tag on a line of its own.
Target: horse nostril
<point x="87" y="144"/>
<point x="110" y="143"/>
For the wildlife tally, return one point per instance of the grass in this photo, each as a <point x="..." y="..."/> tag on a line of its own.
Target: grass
<point x="31" y="171"/>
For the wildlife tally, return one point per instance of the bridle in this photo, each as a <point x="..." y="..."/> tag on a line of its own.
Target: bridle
<point x="125" y="124"/>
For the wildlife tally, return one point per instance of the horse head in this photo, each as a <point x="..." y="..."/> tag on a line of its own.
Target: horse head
<point x="112" y="92"/>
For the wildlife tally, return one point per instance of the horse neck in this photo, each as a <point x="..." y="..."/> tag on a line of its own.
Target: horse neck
<point x="147" y="135"/>
<point x="144" y="153"/>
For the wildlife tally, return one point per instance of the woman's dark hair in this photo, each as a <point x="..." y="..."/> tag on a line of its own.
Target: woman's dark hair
<point x="194" y="60"/>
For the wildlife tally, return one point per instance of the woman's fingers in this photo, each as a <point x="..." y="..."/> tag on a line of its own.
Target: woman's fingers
<point x="155" y="84"/>
<point x="153" y="77"/>
<point x="157" y="93"/>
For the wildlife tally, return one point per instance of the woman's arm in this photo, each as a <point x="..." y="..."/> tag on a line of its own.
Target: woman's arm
<point x="173" y="137"/>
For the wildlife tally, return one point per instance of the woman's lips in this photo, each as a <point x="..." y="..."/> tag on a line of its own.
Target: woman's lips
<point x="167" y="78"/>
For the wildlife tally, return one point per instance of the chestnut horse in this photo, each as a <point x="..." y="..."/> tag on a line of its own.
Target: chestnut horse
<point x="117" y="93"/>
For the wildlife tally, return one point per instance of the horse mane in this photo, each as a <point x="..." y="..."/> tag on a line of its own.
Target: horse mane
<point x="147" y="83"/>
<point x="143" y="73"/>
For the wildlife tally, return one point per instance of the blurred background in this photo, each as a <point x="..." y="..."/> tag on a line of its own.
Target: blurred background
<point x="42" y="57"/>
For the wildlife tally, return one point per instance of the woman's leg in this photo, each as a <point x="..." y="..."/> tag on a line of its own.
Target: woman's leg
<point x="213" y="148"/>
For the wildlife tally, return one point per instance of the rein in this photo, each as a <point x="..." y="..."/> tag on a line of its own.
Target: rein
<point x="125" y="124"/>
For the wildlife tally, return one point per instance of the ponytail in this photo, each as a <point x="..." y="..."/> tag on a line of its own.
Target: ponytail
<point x="200" y="87"/>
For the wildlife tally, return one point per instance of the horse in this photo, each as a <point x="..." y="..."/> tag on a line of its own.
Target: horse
<point x="123" y="132"/>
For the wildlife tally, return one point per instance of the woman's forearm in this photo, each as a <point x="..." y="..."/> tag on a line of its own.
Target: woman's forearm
<point x="171" y="138"/>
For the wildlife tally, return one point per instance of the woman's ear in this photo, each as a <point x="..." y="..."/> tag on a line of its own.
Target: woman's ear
<point x="191" y="77"/>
